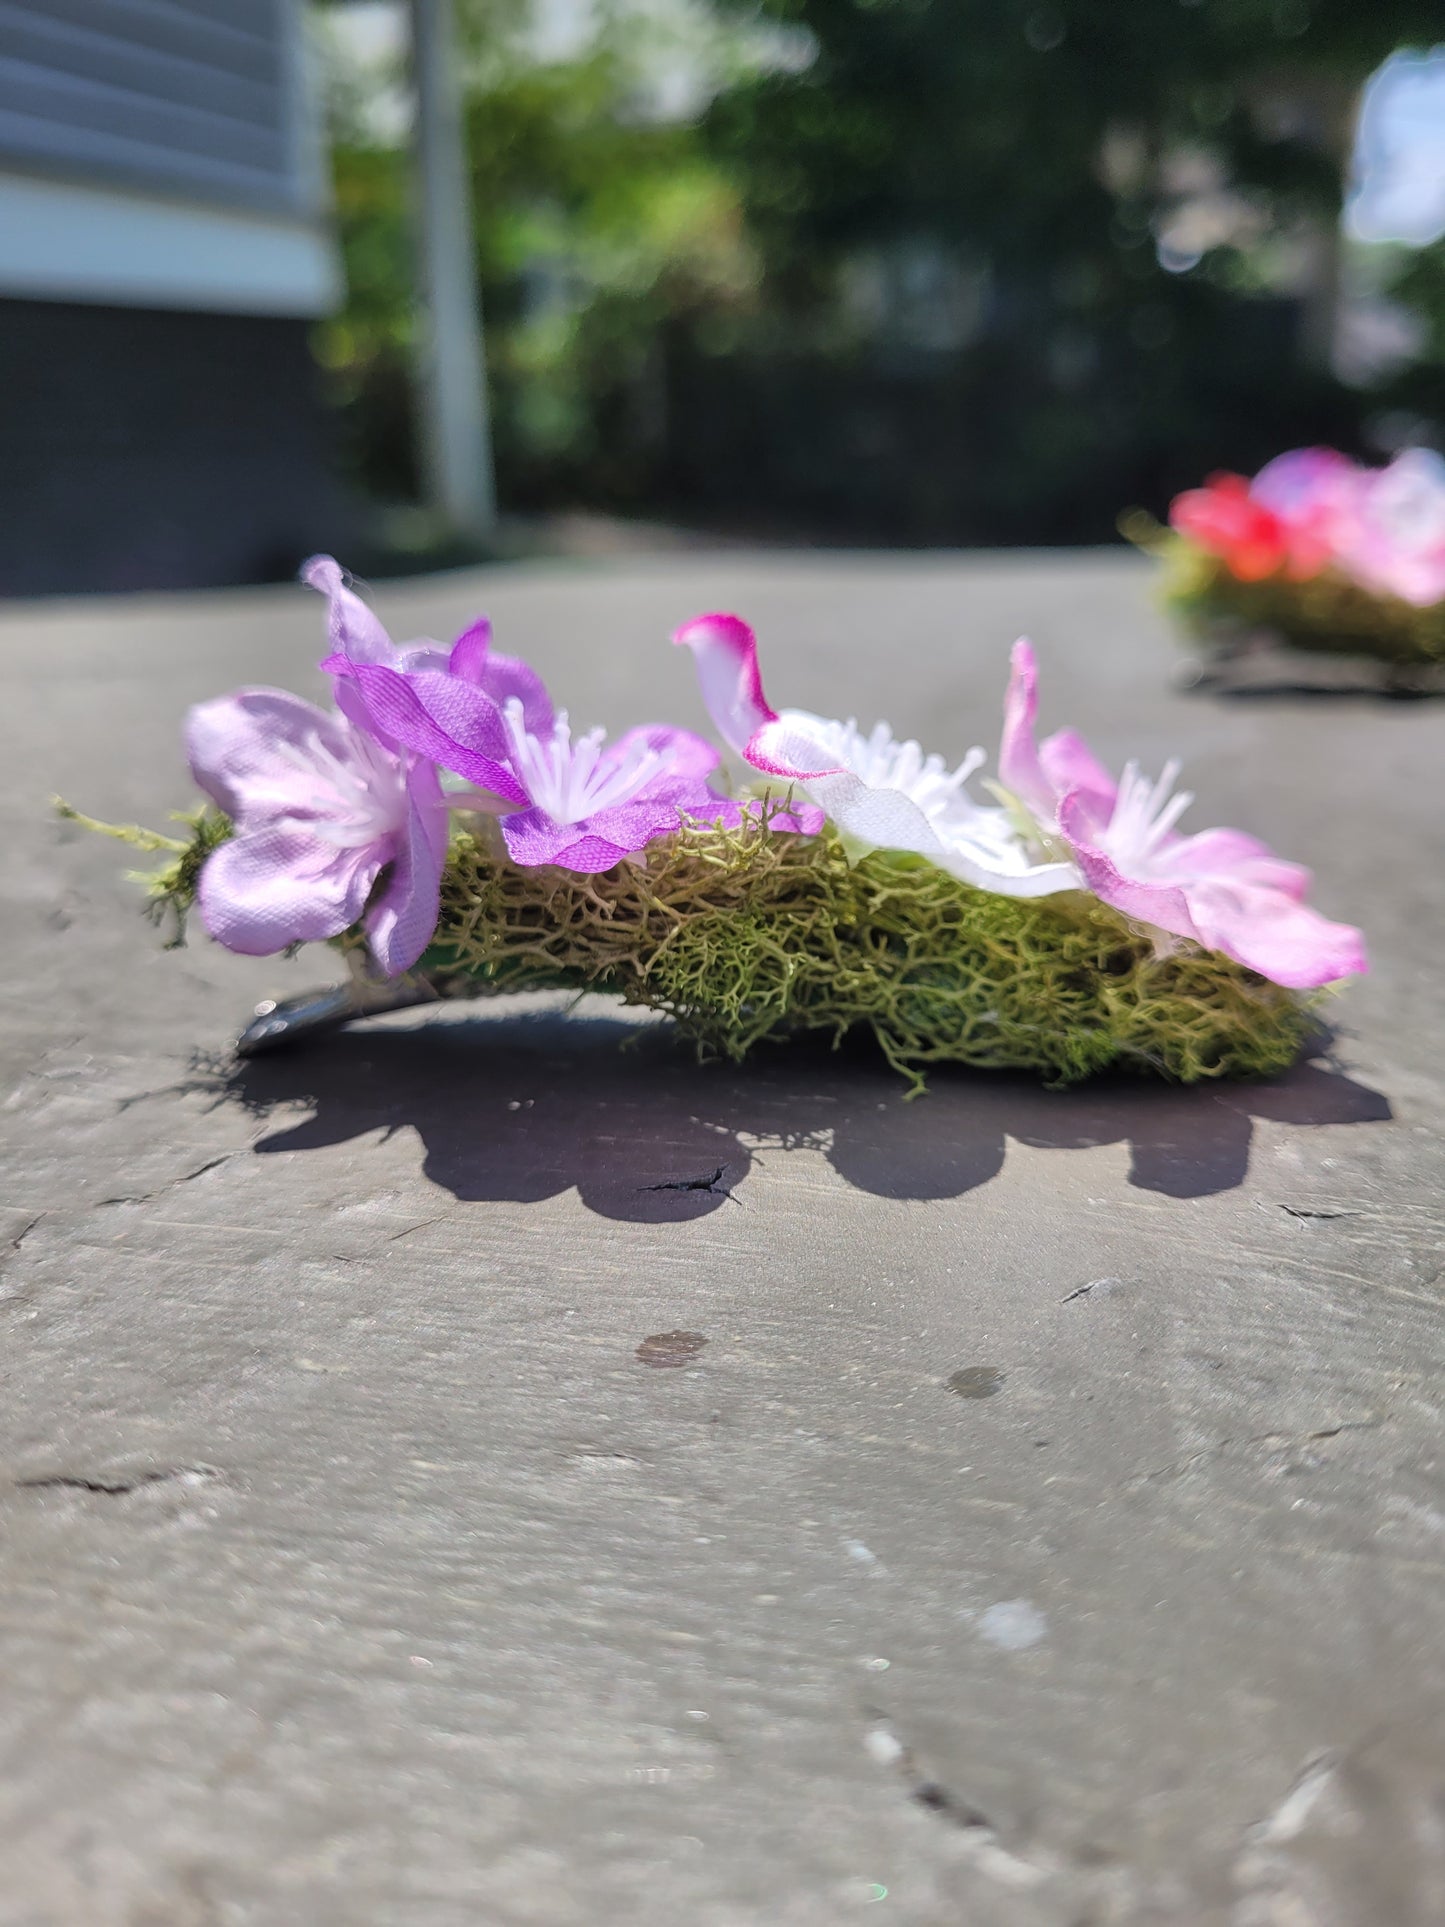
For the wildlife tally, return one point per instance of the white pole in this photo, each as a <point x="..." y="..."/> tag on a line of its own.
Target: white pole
<point x="456" y="431"/>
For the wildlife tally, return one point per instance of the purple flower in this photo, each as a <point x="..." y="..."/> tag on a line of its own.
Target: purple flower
<point x="580" y="803"/>
<point x="320" y="808"/>
<point x="594" y="803"/>
<point x="1219" y="888"/>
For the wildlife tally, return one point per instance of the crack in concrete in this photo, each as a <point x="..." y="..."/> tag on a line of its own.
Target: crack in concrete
<point x="1322" y="1211"/>
<point x="712" y="1185"/>
<point x="149" y="1197"/>
<point x="117" y="1488"/>
<point x="25" y="1230"/>
<point x="985" y="1850"/>
<point x="1281" y="1441"/>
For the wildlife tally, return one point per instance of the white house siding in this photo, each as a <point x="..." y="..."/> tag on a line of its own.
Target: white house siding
<point x="164" y="153"/>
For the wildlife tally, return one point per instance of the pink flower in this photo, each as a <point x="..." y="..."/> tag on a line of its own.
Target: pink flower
<point x="1225" y="520"/>
<point x="1219" y="888"/>
<point x="1314" y="508"/>
<point x="1396" y="542"/>
<point x="319" y="810"/>
<point x="576" y="802"/>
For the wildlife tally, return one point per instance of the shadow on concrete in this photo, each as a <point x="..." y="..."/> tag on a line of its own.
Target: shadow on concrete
<point x="1286" y="691"/>
<point x="522" y="1108"/>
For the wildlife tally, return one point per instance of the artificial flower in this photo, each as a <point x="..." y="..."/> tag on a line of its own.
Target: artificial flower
<point x="1218" y="888"/>
<point x="320" y="809"/>
<point x="575" y="801"/>
<point x="417" y="694"/>
<point x="1396" y="543"/>
<point x="1313" y="509"/>
<point x="879" y="792"/>
<point x="1253" y="537"/>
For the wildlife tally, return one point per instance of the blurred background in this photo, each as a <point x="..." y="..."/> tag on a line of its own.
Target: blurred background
<point x="426" y="281"/>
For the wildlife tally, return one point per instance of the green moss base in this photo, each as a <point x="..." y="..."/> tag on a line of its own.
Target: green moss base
<point x="748" y="936"/>
<point x="751" y="935"/>
<point x="1328" y="615"/>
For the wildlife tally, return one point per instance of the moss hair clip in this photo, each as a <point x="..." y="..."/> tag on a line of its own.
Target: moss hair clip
<point x="445" y="828"/>
<point x="1316" y="553"/>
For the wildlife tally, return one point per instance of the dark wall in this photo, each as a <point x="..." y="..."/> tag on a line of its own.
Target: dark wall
<point x="149" y="449"/>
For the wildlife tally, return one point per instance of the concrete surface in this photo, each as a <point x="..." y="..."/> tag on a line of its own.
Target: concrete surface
<point x="1008" y="1508"/>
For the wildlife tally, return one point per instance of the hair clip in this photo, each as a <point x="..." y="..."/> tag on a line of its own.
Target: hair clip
<point x="1316" y="553"/>
<point x="447" y="830"/>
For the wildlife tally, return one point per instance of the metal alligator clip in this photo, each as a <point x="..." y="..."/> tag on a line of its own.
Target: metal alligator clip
<point x="293" y="1020"/>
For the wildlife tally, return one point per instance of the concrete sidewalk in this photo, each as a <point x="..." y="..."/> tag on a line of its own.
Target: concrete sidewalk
<point x="1010" y="1507"/>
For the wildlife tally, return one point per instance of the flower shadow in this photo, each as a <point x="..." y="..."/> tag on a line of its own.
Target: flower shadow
<point x="524" y="1108"/>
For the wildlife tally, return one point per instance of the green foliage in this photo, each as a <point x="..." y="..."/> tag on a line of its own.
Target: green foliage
<point x="673" y="312"/>
<point x="170" y="889"/>
<point x="1048" y="145"/>
<point x="597" y="228"/>
<point x="990" y="122"/>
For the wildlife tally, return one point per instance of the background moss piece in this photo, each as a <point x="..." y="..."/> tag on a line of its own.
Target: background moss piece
<point x="1326" y="615"/>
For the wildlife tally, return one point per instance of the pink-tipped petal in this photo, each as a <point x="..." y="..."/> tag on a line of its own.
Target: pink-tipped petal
<point x="792" y="747"/>
<point x="726" y="653"/>
<point x="354" y="630"/>
<point x="1216" y="852"/>
<point x="1019" y="768"/>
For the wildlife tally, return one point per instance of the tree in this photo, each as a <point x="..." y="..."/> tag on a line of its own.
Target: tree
<point x="1152" y="188"/>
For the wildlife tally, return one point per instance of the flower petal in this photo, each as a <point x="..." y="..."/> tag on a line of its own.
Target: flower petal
<point x="401" y="923"/>
<point x="687" y="757"/>
<point x="438" y="716"/>
<point x="1269" y="931"/>
<point x="501" y="677"/>
<point x="1019" y="768"/>
<point x="880" y="818"/>
<point x="726" y="653"/>
<point x="1164" y="905"/>
<point x="355" y="631"/>
<point x="796" y="746"/>
<point x="471" y="650"/>
<point x="1222" y="852"/>
<point x="1069" y="764"/>
<point x="266" y="890"/>
<point x="232" y="744"/>
<point x="597" y="843"/>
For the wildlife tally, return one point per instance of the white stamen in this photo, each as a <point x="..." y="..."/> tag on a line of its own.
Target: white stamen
<point x="1144" y="817"/>
<point x="354" y="800"/>
<point x="567" y="779"/>
<point x="885" y="763"/>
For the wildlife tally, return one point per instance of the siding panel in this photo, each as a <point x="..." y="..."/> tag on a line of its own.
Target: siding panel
<point x="191" y="97"/>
